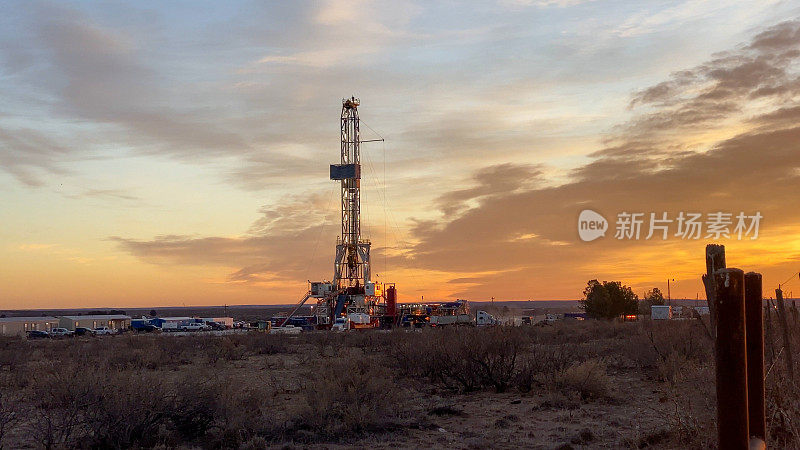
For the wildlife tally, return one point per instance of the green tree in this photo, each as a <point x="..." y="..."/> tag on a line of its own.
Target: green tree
<point x="608" y="300"/>
<point x="653" y="297"/>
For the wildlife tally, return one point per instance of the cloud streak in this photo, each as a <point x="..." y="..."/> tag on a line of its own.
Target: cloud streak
<point x="281" y="245"/>
<point x="510" y="222"/>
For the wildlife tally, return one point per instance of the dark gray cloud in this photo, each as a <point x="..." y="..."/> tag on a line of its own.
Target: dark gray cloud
<point x="27" y="153"/>
<point x="100" y="76"/>
<point x="756" y="170"/>
<point x="500" y="179"/>
<point x="230" y="95"/>
<point x="716" y="90"/>
<point x="234" y="90"/>
<point x="511" y="224"/>
<point x="285" y="243"/>
<point x="86" y="80"/>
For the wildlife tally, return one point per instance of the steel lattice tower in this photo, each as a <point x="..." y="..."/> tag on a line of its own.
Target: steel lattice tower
<point x="351" y="267"/>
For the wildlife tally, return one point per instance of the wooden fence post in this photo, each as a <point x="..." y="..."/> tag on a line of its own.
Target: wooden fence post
<point x="731" y="360"/>
<point x="787" y="342"/>
<point x="770" y="331"/>
<point x="754" y="319"/>
<point x="715" y="260"/>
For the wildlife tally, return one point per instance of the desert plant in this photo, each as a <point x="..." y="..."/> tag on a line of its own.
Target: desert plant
<point x="58" y="417"/>
<point x="588" y="378"/>
<point x="494" y="355"/>
<point x="464" y="359"/>
<point x="344" y="397"/>
<point x="9" y="414"/>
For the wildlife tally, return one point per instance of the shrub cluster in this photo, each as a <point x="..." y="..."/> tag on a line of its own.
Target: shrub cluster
<point x="465" y="359"/>
<point x="256" y="390"/>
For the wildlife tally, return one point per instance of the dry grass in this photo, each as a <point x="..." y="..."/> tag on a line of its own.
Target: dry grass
<point x="589" y="379"/>
<point x="256" y="390"/>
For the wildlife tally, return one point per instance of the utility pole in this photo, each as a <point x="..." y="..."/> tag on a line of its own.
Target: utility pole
<point x="669" y="296"/>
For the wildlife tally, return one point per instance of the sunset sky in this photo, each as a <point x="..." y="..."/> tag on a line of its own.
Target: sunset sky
<point x="160" y="154"/>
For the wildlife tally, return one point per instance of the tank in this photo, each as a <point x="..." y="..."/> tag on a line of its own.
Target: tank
<point x="391" y="301"/>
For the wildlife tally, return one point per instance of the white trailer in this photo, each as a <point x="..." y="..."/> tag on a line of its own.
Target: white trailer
<point x="288" y="329"/>
<point x="661" y="312"/>
<point x="457" y="319"/>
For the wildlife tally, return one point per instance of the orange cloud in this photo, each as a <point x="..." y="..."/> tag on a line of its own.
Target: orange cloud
<point x="699" y="145"/>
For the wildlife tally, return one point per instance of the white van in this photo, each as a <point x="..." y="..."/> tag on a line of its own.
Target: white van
<point x="341" y="324"/>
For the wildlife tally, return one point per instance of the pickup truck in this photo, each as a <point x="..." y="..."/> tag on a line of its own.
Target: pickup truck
<point x="38" y="334"/>
<point x="60" y="332"/>
<point x="82" y="331"/>
<point x="193" y="326"/>
<point x="216" y="325"/>
<point x="101" y="331"/>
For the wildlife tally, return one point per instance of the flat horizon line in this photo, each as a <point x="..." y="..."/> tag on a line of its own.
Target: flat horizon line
<point x="281" y="305"/>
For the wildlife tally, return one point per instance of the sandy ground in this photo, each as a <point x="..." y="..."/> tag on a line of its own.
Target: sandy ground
<point x="637" y="413"/>
<point x="541" y="419"/>
<point x="508" y="420"/>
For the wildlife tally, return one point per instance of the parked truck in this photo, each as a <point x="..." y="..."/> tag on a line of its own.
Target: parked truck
<point x="341" y="324"/>
<point x="143" y="325"/>
<point x="194" y="326"/>
<point x="483" y="318"/>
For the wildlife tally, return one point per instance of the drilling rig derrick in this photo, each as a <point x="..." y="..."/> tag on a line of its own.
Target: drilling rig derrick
<point x="351" y="266"/>
<point x="352" y="299"/>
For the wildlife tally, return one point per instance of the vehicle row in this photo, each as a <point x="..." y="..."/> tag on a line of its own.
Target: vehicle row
<point x="63" y="332"/>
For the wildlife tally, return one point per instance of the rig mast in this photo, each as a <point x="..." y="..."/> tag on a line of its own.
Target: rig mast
<point x="352" y="265"/>
<point x="351" y="300"/>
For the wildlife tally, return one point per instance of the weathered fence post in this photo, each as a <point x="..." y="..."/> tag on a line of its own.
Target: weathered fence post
<point x="787" y="342"/>
<point x="731" y="359"/>
<point x="715" y="260"/>
<point x="754" y="320"/>
<point x="770" y="331"/>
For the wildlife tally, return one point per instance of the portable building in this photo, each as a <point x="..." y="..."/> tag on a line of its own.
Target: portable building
<point x="227" y="321"/>
<point x="661" y="312"/>
<point x="11" y="326"/>
<point x="112" y="321"/>
<point x="172" y="323"/>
